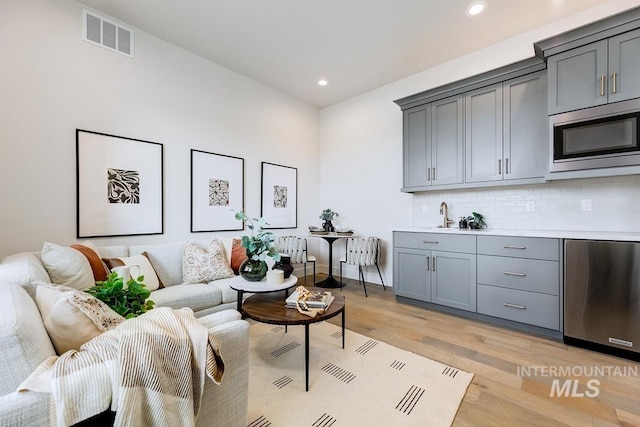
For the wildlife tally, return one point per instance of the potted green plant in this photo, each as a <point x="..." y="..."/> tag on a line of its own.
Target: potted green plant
<point x="128" y="301"/>
<point x="327" y="216"/>
<point x="259" y="245"/>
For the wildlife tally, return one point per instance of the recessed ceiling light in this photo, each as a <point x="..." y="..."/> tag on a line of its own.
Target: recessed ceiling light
<point x="323" y="82"/>
<point x="476" y="8"/>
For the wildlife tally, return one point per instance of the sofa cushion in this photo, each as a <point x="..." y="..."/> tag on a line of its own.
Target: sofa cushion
<point x="72" y="317"/>
<point x="166" y="260"/>
<point x="205" y="265"/>
<point x="228" y="294"/>
<point x="151" y="280"/>
<point x="67" y="266"/>
<point x="21" y="269"/>
<point x="24" y="343"/>
<point x="196" y="296"/>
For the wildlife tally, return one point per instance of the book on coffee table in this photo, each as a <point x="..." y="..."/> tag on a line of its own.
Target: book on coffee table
<point x="317" y="299"/>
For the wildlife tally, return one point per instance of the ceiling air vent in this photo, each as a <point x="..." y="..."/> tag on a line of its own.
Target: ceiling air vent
<point x="103" y="32"/>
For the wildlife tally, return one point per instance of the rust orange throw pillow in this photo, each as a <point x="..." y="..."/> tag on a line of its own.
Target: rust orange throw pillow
<point x="238" y="254"/>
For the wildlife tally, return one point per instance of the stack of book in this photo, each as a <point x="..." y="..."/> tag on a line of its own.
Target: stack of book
<point x="316" y="299"/>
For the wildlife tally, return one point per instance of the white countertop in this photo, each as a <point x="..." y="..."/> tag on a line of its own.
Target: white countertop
<point x="556" y="234"/>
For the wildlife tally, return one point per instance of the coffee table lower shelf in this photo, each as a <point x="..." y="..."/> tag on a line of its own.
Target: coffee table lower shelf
<point x="270" y="308"/>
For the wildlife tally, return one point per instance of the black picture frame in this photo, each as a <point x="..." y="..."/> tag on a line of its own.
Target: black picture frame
<point x="119" y="185"/>
<point x="279" y="196"/>
<point x="217" y="191"/>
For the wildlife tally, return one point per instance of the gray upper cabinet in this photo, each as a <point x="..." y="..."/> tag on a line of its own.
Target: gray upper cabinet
<point x="507" y="130"/>
<point x="432" y="146"/>
<point x="624" y="66"/>
<point x="417" y="146"/>
<point x="446" y="141"/>
<point x="525" y="127"/>
<point x="595" y="74"/>
<point x="483" y="138"/>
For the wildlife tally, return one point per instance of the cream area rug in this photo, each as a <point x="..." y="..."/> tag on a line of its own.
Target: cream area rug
<point x="368" y="383"/>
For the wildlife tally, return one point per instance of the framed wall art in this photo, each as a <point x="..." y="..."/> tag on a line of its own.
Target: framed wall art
<point x="217" y="191"/>
<point x="279" y="196"/>
<point x="120" y="185"/>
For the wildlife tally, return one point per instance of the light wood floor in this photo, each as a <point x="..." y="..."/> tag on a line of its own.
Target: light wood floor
<point x="498" y="395"/>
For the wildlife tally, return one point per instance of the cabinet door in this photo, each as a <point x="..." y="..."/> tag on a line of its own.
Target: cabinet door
<point x="624" y="66"/>
<point x="416" y="146"/>
<point x="410" y="274"/>
<point x="446" y="141"/>
<point x="578" y="78"/>
<point x="483" y="135"/>
<point x="526" y="127"/>
<point x="453" y="280"/>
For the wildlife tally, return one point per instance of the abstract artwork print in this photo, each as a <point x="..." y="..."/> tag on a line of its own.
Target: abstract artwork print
<point x="123" y="186"/>
<point x="218" y="192"/>
<point x="279" y="196"/>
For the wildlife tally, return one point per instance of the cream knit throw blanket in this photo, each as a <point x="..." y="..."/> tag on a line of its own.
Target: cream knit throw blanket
<point x="151" y="369"/>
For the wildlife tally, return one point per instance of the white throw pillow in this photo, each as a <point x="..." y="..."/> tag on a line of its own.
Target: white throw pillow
<point x="151" y="281"/>
<point x="201" y="265"/>
<point x="72" y="317"/>
<point x="67" y="266"/>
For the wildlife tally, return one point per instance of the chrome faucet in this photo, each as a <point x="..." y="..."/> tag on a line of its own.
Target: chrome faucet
<point x="444" y="210"/>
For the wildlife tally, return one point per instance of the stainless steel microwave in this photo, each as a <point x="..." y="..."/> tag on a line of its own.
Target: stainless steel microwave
<point x="598" y="137"/>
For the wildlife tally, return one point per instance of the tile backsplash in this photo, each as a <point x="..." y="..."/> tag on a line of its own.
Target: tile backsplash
<point x="556" y="205"/>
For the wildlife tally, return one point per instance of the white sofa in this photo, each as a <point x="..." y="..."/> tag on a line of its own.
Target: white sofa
<point x="24" y="342"/>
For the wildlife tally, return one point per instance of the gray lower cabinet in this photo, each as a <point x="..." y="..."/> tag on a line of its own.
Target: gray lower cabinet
<point x="512" y="278"/>
<point x="439" y="276"/>
<point x="595" y="74"/>
<point x="519" y="279"/>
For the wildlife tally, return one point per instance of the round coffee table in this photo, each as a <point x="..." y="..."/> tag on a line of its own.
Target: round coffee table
<point x="241" y="286"/>
<point x="270" y="308"/>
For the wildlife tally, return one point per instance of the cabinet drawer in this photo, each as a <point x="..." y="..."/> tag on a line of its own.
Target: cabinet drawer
<point x="519" y="247"/>
<point x="532" y="275"/>
<point x="435" y="241"/>
<point x="526" y="307"/>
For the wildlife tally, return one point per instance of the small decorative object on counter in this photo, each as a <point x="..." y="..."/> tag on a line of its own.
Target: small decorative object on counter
<point x="327" y="216"/>
<point x="476" y="221"/>
<point x="462" y="224"/>
<point x="258" y="247"/>
<point x="284" y="264"/>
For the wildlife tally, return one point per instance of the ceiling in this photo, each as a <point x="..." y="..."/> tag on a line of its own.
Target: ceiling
<point x="357" y="45"/>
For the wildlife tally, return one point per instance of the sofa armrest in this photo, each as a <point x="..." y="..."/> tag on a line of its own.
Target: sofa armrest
<point x="226" y="404"/>
<point x="221" y="317"/>
<point x="25" y="409"/>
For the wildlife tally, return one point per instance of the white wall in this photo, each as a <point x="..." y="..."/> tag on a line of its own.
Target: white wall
<point x="52" y="82"/>
<point x="361" y="169"/>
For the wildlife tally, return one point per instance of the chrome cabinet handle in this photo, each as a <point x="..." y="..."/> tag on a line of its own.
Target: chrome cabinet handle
<point x="506" y="165"/>
<point x="614" y="89"/>
<point x="435" y="242"/>
<point x="602" y="85"/>
<point x="508" y="273"/>
<point x="515" y="247"/>
<point x="433" y="264"/>
<point x="520" y="307"/>
<point x="428" y="263"/>
<point x="434" y="174"/>
<point x="428" y="174"/>
<point x="499" y="166"/>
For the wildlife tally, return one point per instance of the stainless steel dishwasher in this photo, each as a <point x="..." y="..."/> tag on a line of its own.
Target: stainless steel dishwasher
<point x="602" y="296"/>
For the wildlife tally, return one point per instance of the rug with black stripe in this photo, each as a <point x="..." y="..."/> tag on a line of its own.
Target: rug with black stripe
<point x="368" y="383"/>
